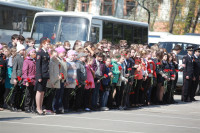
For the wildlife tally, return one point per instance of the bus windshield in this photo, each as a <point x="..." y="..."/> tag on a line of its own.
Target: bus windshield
<point x="58" y="28"/>
<point x="170" y="45"/>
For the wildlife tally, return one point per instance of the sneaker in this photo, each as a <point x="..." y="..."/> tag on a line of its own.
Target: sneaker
<point x="87" y="109"/>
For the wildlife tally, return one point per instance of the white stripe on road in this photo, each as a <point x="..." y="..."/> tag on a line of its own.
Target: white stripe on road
<point x="82" y="128"/>
<point x="125" y="121"/>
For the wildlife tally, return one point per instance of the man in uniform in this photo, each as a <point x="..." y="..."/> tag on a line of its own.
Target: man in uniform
<point x="188" y="74"/>
<point x="196" y="63"/>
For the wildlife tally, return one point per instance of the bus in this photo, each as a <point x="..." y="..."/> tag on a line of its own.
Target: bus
<point x="72" y="26"/>
<point x="155" y="37"/>
<point x="16" y="18"/>
<point x="184" y="41"/>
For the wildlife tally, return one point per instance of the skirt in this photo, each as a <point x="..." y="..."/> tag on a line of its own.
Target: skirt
<point x="41" y="86"/>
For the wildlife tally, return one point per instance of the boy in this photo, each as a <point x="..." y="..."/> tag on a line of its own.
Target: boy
<point x="81" y="76"/>
<point x="14" y="39"/>
<point x="15" y="78"/>
<point x="30" y="42"/>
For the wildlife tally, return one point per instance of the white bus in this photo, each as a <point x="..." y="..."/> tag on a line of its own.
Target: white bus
<point x="72" y="26"/>
<point x="184" y="41"/>
<point x="16" y="18"/>
<point x="155" y="37"/>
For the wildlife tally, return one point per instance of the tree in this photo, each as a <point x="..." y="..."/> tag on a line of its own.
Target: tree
<point x="196" y="20"/>
<point x="173" y="14"/>
<point x="190" y="16"/>
<point x="70" y="5"/>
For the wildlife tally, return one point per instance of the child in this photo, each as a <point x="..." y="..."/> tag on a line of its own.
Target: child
<point x="54" y="83"/>
<point x="98" y="67"/>
<point x="42" y="73"/>
<point x="70" y="80"/>
<point x="81" y="77"/>
<point x="106" y="84"/>
<point x="16" y="77"/>
<point x="2" y="77"/>
<point x="14" y="40"/>
<point x="30" y="42"/>
<point x="28" y="75"/>
<point x="90" y="86"/>
<point x="9" y="54"/>
<point x="67" y="46"/>
<point x="63" y="72"/>
<point x="116" y="74"/>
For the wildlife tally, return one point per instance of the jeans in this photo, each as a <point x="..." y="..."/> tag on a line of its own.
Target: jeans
<point x="95" y="95"/>
<point x="104" y="98"/>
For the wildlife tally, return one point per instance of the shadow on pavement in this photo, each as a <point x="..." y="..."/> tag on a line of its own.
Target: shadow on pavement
<point x="12" y="118"/>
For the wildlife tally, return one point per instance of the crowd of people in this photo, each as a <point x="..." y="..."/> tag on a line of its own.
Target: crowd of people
<point x="56" y="78"/>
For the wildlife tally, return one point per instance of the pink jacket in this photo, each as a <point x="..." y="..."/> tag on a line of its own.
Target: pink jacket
<point x="90" y="78"/>
<point x="29" y="70"/>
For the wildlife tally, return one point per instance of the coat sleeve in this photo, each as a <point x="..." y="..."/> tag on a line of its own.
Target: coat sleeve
<point x="25" y="70"/>
<point x="14" y="72"/>
<point x="39" y="66"/>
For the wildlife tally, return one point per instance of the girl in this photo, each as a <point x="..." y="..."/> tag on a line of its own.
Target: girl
<point x="70" y="79"/>
<point x="28" y="75"/>
<point x="77" y="44"/>
<point x="42" y="73"/>
<point x="91" y="85"/>
<point x="63" y="72"/>
<point x="165" y="66"/>
<point x="9" y="57"/>
<point x="122" y="84"/>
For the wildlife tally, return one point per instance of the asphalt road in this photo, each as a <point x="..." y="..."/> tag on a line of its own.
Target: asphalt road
<point x="176" y="118"/>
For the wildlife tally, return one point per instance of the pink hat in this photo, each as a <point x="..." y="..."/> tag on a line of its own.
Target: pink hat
<point x="71" y="52"/>
<point x="1" y="46"/>
<point x="60" y="49"/>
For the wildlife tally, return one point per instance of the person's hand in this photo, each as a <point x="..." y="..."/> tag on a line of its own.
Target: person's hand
<point x="127" y="75"/>
<point x="79" y="86"/>
<point x="187" y="77"/>
<point x="98" y="81"/>
<point x="165" y="77"/>
<point x="110" y="73"/>
<point x="173" y="78"/>
<point x="15" y="82"/>
<point x="39" y="80"/>
<point x="59" y="77"/>
<point x="27" y="84"/>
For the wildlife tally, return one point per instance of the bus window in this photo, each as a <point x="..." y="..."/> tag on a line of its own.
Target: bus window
<point x="108" y="30"/>
<point x="74" y="28"/>
<point x="94" y="35"/>
<point x="117" y="32"/>
<point x="45" y="27"/>
<point x="128" y="33"/>
<point x="145" y="36"/>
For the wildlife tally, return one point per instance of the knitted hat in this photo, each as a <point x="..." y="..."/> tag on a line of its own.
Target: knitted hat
<point x="60" y="49"/>
<point x="71" y="52"/>
<point x="30" y="49"/>
<point x="20" y="47"/>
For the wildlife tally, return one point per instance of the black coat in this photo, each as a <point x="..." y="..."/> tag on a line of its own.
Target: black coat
<point x="196" y="66"/>
<point x="2" y="67"/>
<point x="42" y="65"/>
<point x="188" y="70"/>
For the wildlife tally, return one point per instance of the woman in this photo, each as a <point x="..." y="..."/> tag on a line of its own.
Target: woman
<point x="42" y="73"/>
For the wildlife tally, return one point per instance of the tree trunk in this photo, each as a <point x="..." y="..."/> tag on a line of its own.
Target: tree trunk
<point x="196" y="21"/>
<point x="70" y="5"/>
<point x="148" y="11"/>
<point x="190" y="16"/>
<point x="173" y="15"/>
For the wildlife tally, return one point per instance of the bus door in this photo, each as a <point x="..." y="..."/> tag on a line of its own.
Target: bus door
<point x="96" y="31"/>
